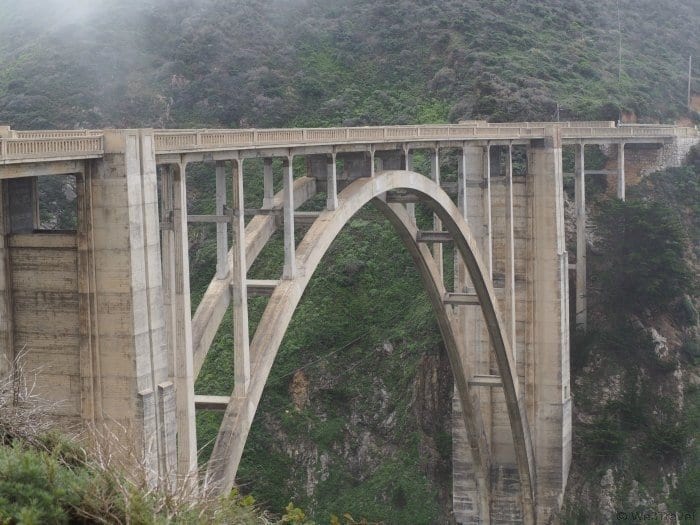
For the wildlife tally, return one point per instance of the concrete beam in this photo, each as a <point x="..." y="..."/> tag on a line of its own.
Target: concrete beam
<point x="621" y="171"/>
<point x="239" y="293"/>
<point x="550" y="325"/>
<point x="462" y="299"/>
<point x="580" y="197"/>
<point x="211" y="402"/>
<point x="221" y="226"/>
<point x="213" y="306"/>
<point x="42" y="169"/>
<point x="280" y="308"/>
<point x="290" y="261"/>
<point x="433" y="236"/>
<point x="485" y="380"/>
<point x="261" y="287"/>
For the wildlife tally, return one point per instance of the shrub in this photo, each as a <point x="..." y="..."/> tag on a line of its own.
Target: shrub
<point x="644" y="244"/>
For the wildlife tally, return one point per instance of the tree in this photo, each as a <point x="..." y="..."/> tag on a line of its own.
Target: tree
<point x="644" y="244"/>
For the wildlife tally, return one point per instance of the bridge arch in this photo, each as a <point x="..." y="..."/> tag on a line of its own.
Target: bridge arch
<point x="283" y="302"/>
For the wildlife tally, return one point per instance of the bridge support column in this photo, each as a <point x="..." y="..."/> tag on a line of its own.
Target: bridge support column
<point x="136" y="396"/>
<point x="221" y="227"/>
<point x="268" y="185"/>
<point x="510" y="255"/>
<point x="239" y="292"/>
<point x="487" y="225"/>
<point x="290" y="268"/>
<point x="408" y="163"/>
<point x="580" y="197"/>
<point x="467" y="507"/>
<point x="552" y="402"/>
<point x="181" y="326"/>
<point x="332" y="184"/>
<point x="437" y="223"/>
<point x="621" y="171"/>
<point x="6" y="324"/>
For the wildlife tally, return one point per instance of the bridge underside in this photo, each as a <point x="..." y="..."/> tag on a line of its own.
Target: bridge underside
<point x="121" y="350"/>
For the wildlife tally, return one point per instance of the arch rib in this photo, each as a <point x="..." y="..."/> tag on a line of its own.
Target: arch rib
<point x="272" y="327"/>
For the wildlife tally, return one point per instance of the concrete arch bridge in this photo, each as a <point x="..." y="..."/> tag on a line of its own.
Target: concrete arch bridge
<point x="121" y="348"/>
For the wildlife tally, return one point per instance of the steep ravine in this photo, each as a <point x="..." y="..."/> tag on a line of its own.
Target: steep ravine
<point x="635" y="377"/>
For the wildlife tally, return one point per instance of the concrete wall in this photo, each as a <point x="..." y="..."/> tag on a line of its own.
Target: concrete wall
<point x="85" y="308"/>
<point x="45" y="311"/>
<point x="643" y="159"/>
<point x="541" y="332"/>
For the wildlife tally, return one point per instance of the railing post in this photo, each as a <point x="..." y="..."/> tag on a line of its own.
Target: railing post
<point x="239" y="292"/>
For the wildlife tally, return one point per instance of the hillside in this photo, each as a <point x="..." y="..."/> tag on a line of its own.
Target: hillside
<point x="357" y="412"/>
<point x="330" y="62"/>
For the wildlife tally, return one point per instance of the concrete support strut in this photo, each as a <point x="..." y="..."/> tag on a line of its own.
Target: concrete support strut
<point x="240" y="412"/>
<point x="621" y="171"/>
<point x="239" y="292"/>
<point x="580" y="198"/>
<point x="221" y="227"/>
<point x="437" y="223"/>
<point x="510" y="255"/>
<point x="290" y="265"/>
<point x="552" y="395"/>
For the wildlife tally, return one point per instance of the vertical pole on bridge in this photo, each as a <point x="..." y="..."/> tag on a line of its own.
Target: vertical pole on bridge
<point x="488" y="238"/>
<point x="182" y="326"/>
<point x="290" y="269"/>
<point x="239" y="292"/>
<point x="510" y="254"/>
<point x="221" y="227"/>
<point x="410" y="207"/>
<point x="580" y="197"/>
<point x="549" y="368"/>
<point x="469" y="504"/>
<point x="332" y="184"/>
<point x="6" y="324"/>
<point x="268" y="185"/>
<point x="437" y="223"/>
<point x="621" y="171"/>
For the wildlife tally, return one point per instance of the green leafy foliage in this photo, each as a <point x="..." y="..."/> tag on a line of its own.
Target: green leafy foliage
<point x="644" y="246"/>
<point x="265" y="63"/>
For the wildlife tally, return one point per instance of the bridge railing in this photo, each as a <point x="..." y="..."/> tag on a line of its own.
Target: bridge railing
<point x="629" y="131"/>
<point x="50" y="147"/>
<point x="177" y="140"/>
<point x="566" y="124"/>
<point x="56" y="134"/>
<point x="19" y="145"/>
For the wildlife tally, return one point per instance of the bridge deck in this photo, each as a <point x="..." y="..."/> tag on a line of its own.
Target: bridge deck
<point x="23" y="147"/>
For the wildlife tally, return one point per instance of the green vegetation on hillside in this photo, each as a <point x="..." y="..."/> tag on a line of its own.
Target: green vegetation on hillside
<point x="332" y="62"/>
<point x="357" y="413"/>
<point x="636" y="408"/>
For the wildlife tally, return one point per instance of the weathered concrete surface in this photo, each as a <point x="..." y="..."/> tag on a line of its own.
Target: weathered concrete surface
<point x="6" y="321"/>
<point x="44" y="285"/>
<point x="549" y="367"/>
<point x="136" y="350"/>
<point x="216" y="300"/>
<point x="240" y="412"/>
